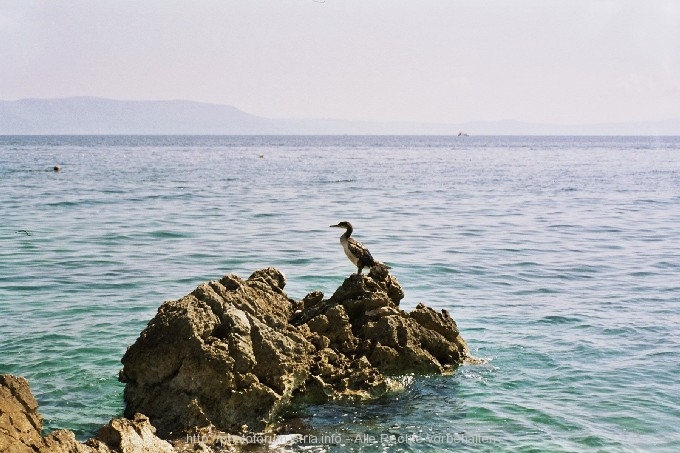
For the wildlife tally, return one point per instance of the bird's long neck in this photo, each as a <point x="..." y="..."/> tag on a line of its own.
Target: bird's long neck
<point x="348" y="233"/>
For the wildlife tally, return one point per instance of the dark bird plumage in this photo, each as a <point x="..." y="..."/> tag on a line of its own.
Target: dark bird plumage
<point x="355" y="250"/>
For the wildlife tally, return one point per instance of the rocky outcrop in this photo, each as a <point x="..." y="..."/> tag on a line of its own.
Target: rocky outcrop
<point x="123" y="435"/>
<point x="223" y="355"/>
<point x="227" y="357"/>
<point x="234" y="352"/>
<point x="21" y="424"/>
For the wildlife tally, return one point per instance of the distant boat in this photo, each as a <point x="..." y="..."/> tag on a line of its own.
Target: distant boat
<point x="463" y="134"/>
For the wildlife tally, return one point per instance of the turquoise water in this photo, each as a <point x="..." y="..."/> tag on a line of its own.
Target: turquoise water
<point x="557" y="256"/>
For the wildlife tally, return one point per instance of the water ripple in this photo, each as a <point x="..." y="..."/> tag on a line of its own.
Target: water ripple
<point x="557" y="256"/>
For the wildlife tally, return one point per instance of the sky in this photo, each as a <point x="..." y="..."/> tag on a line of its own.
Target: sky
<point x="445" y="61"/>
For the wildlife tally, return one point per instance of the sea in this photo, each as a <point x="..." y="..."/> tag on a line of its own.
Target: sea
<point x="558" y="257"/>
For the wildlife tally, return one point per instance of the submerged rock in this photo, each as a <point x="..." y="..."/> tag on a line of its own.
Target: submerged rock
<point x="234" y="352"/>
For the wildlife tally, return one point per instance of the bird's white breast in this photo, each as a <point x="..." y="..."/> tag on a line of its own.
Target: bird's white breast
<point x="345" y="247"/>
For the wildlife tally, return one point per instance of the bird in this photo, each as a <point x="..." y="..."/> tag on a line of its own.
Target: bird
<point x="355" y="250"/>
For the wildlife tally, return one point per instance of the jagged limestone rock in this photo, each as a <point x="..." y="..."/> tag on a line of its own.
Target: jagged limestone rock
<point x="224" y="355"/>
<point x="21" y="424"/>
<point x="234" y="352"/>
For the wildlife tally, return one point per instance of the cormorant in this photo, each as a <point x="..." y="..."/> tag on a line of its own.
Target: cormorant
<point x="355" y="250"/>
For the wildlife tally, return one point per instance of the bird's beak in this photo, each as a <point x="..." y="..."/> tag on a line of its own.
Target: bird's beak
<point x="334" y="226"/>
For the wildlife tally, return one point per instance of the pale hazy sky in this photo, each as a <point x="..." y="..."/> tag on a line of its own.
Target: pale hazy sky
<point x="562" y="61"/>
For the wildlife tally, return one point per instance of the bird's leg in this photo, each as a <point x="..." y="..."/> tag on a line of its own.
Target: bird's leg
<point x="359" y="269"/>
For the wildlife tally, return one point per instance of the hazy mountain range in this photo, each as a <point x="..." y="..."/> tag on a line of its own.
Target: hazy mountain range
<point x="99" y="116"/>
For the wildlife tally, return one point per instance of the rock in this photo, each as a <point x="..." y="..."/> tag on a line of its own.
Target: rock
<point x="130" y="436"/>
<point x="21" y="424"/>
<point x="233" y="353"/>
<point x="312" y="299"/>
<point x="64" y="441"/>
<point x="224" y="355"/>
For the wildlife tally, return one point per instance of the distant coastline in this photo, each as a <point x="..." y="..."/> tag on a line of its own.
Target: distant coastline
<point x="100" y="116"/>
